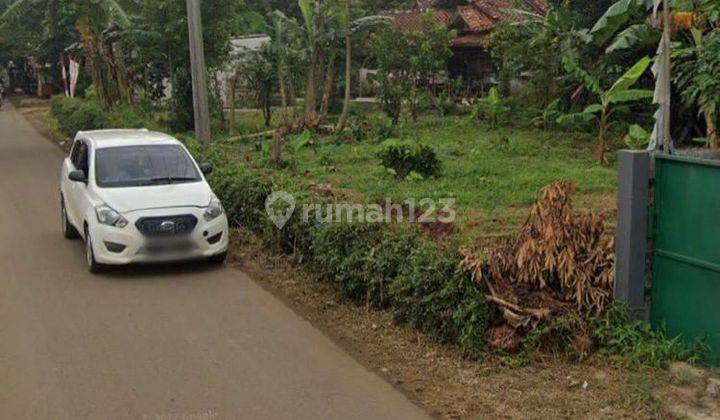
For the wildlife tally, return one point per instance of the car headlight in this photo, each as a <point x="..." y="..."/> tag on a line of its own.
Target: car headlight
<point x="214" y="210"/>
<point x="108" y="216"/>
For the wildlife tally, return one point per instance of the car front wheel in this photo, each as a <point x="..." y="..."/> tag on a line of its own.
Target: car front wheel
<point x="92" y="265"/>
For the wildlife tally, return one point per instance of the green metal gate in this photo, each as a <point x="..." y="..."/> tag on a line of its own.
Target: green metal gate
<point x="686" y="237"/>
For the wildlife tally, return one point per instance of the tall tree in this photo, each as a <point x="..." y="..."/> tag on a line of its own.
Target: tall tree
<point x="160" y="44"/>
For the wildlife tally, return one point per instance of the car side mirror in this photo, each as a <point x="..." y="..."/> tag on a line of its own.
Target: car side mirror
<point x="78" y="176"/>
<point x="206" y="168"/>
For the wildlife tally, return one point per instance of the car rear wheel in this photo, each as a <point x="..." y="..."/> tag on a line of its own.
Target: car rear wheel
<point x="68" y="230"/>
<point x="92" y="265"/>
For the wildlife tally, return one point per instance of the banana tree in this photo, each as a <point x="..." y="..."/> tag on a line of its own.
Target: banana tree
<point x="697" y="78"/>
<point x="616" y="16"/>
<point x="620" y="92"/>
<point x="284" y="46"/>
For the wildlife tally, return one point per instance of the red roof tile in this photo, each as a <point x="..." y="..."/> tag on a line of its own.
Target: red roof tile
<point x="474" y="20"/>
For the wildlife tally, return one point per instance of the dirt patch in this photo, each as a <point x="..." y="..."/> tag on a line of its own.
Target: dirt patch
<point x="443" y="379"/>
<point x="37" y="113"/>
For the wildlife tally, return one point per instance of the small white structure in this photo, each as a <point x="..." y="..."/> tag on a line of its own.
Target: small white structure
<point x="238" y="45"/>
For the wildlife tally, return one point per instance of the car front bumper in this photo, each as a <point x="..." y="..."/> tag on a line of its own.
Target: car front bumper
<point x="123" y="246"/>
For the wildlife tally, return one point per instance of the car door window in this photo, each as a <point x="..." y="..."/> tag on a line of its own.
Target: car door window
<point x="74" y="153"/>
<point x="81" y="160"/>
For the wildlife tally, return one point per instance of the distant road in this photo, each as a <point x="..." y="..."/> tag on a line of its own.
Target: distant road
<point x="187" y="342"/>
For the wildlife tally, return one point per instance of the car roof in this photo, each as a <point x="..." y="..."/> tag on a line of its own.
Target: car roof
<point x="102" y="139"/>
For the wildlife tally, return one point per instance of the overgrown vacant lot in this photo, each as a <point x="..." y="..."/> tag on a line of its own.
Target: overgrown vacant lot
<point x="494" y="175"/>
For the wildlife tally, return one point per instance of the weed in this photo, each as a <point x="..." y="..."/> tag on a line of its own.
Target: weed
<point x="638" y="343"/>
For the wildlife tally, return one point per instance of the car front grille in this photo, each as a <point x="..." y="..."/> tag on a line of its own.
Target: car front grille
<point x="167" y="226"/>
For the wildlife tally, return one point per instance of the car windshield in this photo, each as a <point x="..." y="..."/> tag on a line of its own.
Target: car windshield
<point x="134" y="166"/>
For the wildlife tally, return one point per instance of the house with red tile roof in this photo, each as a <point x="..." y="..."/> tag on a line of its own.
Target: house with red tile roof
<point x="474" y="21"/>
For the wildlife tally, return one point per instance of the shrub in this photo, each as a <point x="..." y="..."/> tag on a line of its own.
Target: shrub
<point x="492" y="108"/>
<point x="446" y="101"/>
<point x="432" y="296"/>
<point x="383" y="131"/>
<point x="402" y="158"/>
<point x="362" y="259"/>
<point x="75" y="114"/>
<point x="356" y="130"/>
<point x="78" y="114"/>
<point x="341" y="251"/>
<point x="243" y="195"/>
<point x="126" y="116"/>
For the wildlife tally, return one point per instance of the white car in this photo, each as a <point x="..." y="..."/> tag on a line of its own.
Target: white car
<point x="136" y="196"/>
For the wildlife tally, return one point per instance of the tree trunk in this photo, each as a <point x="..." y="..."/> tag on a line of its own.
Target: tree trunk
<point x="348" y="71"/>
<point x="314" y="70"/>
<point x="233" y="91"/>
<point x="712" y="132"/>
<point x="117" y="64"/>
<point x="602" y="136"/>
<point x="278" y="140"/>
<point x="267" y="107"/>
<point x="96" y="60"/>
<point x="310" y="89"/>
<point x="292" y="99"/>
<point x="283" y="89"/>
<point x="328" y="88"/>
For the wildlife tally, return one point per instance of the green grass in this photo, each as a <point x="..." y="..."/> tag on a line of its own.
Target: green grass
<point x="494" y="175"/>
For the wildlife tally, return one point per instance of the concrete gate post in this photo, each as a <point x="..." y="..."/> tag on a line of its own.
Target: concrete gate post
<point x="632" y="237"/>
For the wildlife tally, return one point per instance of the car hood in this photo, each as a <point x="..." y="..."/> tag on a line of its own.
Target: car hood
<point x="127" y="200"/>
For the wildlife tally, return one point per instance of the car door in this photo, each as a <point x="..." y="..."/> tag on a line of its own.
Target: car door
<point x="67" y="187"/>
<point x="78" y="191"/>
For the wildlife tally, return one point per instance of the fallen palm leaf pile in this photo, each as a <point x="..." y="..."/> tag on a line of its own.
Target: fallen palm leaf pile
<point x="559" y="262"/>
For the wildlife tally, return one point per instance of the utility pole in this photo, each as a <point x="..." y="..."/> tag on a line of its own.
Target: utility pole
<point x="199" y="74"/>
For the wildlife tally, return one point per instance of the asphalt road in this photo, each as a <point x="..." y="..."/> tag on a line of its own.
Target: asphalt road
<point x="186" y="342"/>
